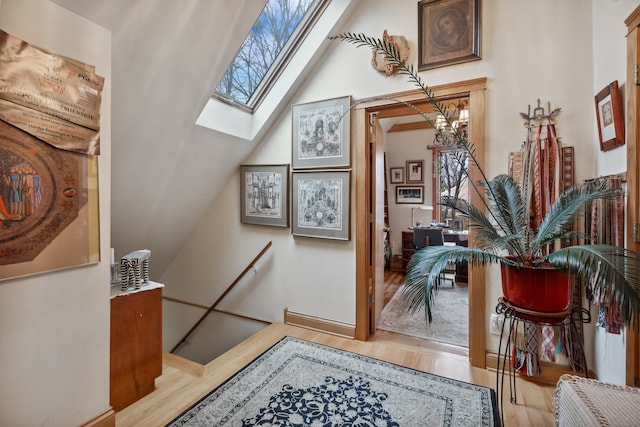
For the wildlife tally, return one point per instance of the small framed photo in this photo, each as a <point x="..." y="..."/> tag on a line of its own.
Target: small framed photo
<point x="609" y="117"/>
<point x="448" y="32"/>
<point x="321" y="134"/>
<point x="414" y="171"/>
<point x="410" y="194"/>
<point x="321" y="204"/>
<point x="396" y="175"/>
<point x="264" y="195"/>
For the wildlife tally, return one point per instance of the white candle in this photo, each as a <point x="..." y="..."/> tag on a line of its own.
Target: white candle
<point x="113" y="256"/>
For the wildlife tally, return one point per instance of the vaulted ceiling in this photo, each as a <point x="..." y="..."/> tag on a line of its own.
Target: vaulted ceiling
<point x="167" y="57"/>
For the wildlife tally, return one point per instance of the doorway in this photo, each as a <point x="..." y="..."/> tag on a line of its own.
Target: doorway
<point x="369" y="225"/>
<point x="417" y="160"/>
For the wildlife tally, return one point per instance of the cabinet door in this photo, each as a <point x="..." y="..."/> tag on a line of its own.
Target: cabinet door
<point x="136" y="346"/>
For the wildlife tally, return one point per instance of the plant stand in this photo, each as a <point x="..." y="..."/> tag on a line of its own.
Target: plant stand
<point x="514" y="316"/>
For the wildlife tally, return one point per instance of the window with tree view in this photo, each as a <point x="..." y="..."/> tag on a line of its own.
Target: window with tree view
<point x="453" y="167"/>
<point x="271" y="41"/>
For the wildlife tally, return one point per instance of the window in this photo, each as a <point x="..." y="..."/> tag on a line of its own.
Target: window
<point x="273" y="39"/>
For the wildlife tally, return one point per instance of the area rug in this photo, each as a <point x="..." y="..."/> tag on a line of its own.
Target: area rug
<point x="298" y="383"/>
<point x="450" y="316"/>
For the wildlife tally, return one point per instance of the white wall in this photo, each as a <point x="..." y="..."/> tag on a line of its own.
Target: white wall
<point x="401" y="147"/>
<point x="54" y="327"/>
<point x="609" y="64"/>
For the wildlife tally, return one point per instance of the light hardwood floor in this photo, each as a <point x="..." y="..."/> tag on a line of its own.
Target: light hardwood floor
<point x="182" y="382"/>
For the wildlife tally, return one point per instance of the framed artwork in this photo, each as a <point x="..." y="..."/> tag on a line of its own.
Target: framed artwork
<point x="609" y="117"/>
<point x="410" y="194"/>
<point x="264" y="195"/>
<point x="48" y="206"/>
<point x="448" y="32"/>
<point x="414" y="170"/>
<point x="320" y="205"/>
<point x="396" y="175"/>
<point x="321" y="134"/>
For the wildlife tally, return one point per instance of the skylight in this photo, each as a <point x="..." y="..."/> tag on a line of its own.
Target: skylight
<point x="273" y="39"/>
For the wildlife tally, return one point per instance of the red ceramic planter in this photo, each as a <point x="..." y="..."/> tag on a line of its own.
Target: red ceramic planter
<point x="543" y="289"/>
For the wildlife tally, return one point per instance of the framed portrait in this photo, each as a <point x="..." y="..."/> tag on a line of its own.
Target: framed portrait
<point x="396" y="175"/>
<point x="320" y="204"/>
<point x="321" y="134"/>
<point x="48" y="206"/>
<point x="609" y="117"/>
<point x="448" y="32"/>
<point x="264" y="195"/>
<point x="414" y="171"/>
<point x="410" y="194"/>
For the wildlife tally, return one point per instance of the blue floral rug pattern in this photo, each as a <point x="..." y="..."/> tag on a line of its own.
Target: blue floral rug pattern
<point x="298" y="383"/>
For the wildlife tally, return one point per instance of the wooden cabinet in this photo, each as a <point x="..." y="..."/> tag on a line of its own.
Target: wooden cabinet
<point x="408" y="248"/>
<point x="136" y="343"/>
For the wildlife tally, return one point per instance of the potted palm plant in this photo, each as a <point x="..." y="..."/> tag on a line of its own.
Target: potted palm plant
<point x="504" y="234"/>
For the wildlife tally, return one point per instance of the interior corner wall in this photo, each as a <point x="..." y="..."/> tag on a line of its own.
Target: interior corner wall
<point x="54" y="327"/>
<point x="609" y="64"/>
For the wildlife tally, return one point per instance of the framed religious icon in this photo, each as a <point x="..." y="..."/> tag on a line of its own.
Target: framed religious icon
<point x="609" y="117"/>
<point x="321" y="134"/>
<point x="415" y="170"/>
<point x="448" y="32"/>
<point x="48" y="206"/>
<point x="264" y="195"/>
<point x="320" y="204"/>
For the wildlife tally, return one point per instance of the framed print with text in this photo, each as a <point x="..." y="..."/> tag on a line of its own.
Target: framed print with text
<point x="415" y="171"/>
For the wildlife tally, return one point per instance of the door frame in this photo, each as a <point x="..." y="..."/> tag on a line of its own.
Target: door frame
<point x="633" y="175"/>
<point x="365" y="240"/>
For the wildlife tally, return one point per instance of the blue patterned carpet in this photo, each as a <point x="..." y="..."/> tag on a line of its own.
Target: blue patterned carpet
<point x="298" y="383"/>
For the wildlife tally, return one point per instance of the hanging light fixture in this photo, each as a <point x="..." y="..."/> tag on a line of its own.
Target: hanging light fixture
<point x="458" y="119"/>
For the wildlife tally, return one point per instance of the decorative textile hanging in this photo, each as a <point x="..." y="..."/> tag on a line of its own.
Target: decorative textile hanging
<point x="543" y="169"/>
<point x="604" y="223"/>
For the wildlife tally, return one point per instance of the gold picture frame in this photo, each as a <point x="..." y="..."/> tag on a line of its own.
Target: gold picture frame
<point x="448" y="32"/>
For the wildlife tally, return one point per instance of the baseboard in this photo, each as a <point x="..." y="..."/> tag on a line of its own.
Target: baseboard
<point x="106" y="419"/>
<point x="550" y="372"/>
<point x="318" y="324"/>
<point x="185" y="365"/>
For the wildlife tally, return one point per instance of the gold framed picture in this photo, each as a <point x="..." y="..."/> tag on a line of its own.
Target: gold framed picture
<point x="448" y="32"/>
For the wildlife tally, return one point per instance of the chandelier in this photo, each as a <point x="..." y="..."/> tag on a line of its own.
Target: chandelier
<point x="451" y="130"/>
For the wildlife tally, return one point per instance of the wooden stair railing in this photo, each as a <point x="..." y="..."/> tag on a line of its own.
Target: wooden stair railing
<point x="221" y="297"/>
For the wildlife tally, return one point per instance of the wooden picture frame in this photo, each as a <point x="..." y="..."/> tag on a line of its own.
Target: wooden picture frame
<point x="415" y="171"/>
<point x="609" y="117"/>
<point x="264" y="195"/>
<point x="448" y="32"/>
<point x="321" y="134"/>
<point x="410" y="194"/>
<point x="320" y="204"/>
<point x="396" y="175"/>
